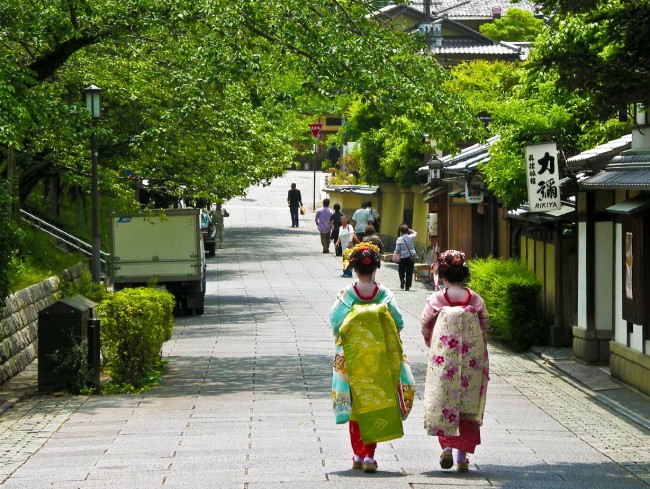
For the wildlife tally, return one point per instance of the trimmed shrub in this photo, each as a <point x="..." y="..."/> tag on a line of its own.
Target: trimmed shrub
<point x="134" y="325"/>
<point x="510" y="292"/>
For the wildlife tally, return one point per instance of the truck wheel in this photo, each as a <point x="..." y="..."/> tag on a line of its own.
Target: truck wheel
<point x="212" y="251"/>
<point x="199" y="311"/>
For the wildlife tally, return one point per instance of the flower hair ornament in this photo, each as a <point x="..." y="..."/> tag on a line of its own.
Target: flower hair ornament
<point x="366" y="254"/>
<point x="451" y="257"/>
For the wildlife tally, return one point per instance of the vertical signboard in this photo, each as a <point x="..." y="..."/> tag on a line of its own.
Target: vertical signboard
<point x="543" y="176"/>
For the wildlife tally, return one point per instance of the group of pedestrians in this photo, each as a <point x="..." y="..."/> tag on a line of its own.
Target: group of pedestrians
<point x="337" y="228"/>
<point x="372" y="385"/>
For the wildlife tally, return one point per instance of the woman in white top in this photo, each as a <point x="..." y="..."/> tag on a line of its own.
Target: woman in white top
<point x="404" y="246"/>
<point x="345" y="241"/>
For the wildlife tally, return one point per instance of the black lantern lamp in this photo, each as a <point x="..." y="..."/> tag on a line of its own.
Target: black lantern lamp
<point x="93" y="99"/>
<point x="435" y="169"/>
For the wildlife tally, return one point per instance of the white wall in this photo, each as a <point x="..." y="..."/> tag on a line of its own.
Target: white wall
<point x="582" y="275"/>
<point x="641" y="138"/>
<point x="620" y="326"/>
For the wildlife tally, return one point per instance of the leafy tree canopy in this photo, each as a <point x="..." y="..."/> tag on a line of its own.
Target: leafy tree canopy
<point x="207" y="96"/>
<point x="515" y="25"/>
<point x="599" y="50"/>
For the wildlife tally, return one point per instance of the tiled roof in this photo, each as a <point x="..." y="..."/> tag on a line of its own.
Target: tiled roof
<point x="465" y="47"/>
<point x="629" y="170"/>
<point x="473" y="9"/>
<point x="352" y="189"/>
<point x="596" y="158"/>
<point x="469" y="158"/>
<point x="638" y="180"/>
<point x="464" y="162"/>
<point x="566" y="212"/>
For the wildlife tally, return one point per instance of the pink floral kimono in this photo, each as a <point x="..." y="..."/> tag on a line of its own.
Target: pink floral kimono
<point x="458" y="371"/>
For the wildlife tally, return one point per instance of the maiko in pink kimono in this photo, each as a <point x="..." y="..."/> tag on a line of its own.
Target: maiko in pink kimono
<point x="454" y="325"/>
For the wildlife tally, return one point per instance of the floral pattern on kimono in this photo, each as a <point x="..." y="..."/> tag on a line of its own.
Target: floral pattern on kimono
<point x="341" y="398"/>
<point x="458" y="370"/>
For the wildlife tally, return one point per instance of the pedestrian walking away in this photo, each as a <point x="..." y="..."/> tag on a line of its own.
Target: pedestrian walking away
<point x="346" y="240"/>
<point x="361" y="218"/>
<point x="371" y="236"/>
<point x="454" y="326"/>
<point x="372" y="384"/>
<point x="404" y="250"/>
<point x="336" y="224"/>
<point x="217" y="219"/>
<point x="324" y="224"/>
<point x="294" y="199"/>
<point x="333" y="154"/>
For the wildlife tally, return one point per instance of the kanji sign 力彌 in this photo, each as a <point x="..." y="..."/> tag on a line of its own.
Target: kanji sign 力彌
<point x="543" y="177"/>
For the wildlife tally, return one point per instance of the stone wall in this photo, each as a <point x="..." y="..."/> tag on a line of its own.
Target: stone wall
<point x="19" y="322"/>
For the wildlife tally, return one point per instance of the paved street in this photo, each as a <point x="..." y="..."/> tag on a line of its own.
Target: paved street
<point x="245" y="403"/>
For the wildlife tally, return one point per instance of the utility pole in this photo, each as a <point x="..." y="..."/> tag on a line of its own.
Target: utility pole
<point x="427" y="22"/>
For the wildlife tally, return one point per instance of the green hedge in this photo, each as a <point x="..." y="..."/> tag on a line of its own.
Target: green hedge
<point x="510" y="292"/>
<point x="134" y="325"/>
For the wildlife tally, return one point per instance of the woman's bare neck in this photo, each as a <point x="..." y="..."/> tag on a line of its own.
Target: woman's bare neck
<point x="456" y="292"/>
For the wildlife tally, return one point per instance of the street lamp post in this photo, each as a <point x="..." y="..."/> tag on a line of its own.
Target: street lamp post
<point x="315" y="131"/>
<point x="92" y="97"/>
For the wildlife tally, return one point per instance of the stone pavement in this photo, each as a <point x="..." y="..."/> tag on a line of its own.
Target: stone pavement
<point x="245" y="402"/>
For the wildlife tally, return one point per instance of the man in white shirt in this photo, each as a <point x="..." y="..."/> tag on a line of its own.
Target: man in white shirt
<point x="361" y="218"/>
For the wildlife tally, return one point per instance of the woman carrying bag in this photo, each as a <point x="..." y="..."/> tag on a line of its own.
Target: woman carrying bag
<point x="346" y="240"/>
<point x="405" y="252"/>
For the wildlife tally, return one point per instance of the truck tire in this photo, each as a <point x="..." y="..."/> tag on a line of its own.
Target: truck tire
<point x="199" y="311"/>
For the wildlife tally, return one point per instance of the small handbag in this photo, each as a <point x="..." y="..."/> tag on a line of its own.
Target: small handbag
<point x="303" y="211"/>
<point x="414" y="257"/>
<point x="396" y="257"/>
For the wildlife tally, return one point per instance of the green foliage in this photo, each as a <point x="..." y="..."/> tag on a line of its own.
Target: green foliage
<point x="152" y="378"/>
<point x="598" y="49"/>
<point x="85" y="286"/>
<point x="39" y="260"/>
<point x="515" y="25"/>
<point x="510" y="292"/>
<point x="72" y="368"/>
<point x="134" y="325"/>
<point x="485" y="85"/>
<point x="10" y="238"/>
<point x="391" y="147"/>
<point x="204" y="97"/>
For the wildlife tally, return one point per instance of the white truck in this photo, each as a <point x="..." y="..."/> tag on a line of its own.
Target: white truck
<point x="163" y="248"/>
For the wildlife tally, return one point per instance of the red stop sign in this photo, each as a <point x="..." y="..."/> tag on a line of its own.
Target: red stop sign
<point x="315" y="129"/>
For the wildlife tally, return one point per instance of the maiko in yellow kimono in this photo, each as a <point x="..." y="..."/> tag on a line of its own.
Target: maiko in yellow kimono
<point x="372" y="383"/>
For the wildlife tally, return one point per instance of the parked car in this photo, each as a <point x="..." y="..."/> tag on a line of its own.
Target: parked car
<point x="209" y="233"/>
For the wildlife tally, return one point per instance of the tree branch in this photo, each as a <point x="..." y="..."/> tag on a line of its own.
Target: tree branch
<point x="46" y="65"/>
